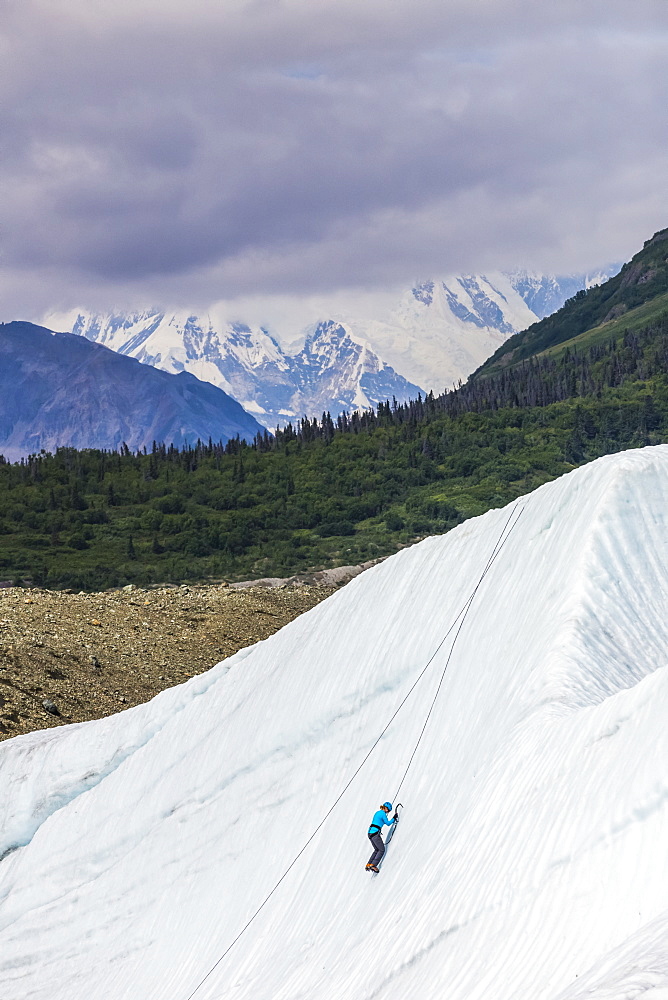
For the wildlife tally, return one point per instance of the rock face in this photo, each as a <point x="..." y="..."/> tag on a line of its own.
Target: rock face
<point x="335" y="371"/>
<point x="60" y="390"/>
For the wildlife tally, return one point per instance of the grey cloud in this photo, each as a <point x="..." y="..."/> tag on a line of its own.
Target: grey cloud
<point x="305" y="146"/>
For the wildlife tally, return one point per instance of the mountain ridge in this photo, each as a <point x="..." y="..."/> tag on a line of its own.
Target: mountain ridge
<point x="640" y="281"/>
<point x="333" y="371"/>
<point x="60" y="390"/>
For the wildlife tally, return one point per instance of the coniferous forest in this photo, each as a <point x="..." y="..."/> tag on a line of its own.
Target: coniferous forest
<point x="326" y="491"/>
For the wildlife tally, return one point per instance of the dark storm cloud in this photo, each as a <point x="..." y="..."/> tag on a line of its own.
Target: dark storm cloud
<point x="257" y="146"/>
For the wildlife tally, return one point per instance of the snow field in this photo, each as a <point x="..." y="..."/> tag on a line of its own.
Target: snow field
<point x="530" y="859"/>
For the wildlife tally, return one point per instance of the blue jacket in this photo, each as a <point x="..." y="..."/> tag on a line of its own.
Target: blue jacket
<point x="379" y="820"/>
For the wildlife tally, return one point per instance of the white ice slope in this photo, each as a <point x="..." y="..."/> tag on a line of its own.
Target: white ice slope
<point x="530" y="863"/>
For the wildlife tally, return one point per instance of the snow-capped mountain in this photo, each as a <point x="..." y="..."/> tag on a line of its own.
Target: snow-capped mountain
<point x="335" y="370"/>
<point x="211" y="843"/>
<point x="545" y="293"/>
<point x="442" y="330"/>
<point x="348" y="356"/>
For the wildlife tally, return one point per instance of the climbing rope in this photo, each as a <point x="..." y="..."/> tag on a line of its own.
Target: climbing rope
<point x="497" y="548"/>
<point x="503" y="537"/>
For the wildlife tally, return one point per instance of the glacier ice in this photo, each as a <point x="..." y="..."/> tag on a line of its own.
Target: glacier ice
<point x="530" y="860"/>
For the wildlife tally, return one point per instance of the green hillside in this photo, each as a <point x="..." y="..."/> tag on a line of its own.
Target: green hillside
<point x="634" y="298"/>
<point x="641" y="318"/>
<point x="323" y="494"/>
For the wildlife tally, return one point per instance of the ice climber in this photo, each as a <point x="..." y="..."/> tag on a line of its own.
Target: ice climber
<point x="380" y="819"/>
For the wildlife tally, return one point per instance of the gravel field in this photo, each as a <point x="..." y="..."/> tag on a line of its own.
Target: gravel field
<point x="73" y="657"/>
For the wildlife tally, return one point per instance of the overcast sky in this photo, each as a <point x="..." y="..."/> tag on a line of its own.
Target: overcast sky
<point x="178" y="153"/>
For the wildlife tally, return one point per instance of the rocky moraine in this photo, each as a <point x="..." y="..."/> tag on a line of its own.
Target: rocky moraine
<point x="73" y="657"/>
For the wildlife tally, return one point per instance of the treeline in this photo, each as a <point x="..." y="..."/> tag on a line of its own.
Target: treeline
<point x="534" y="382"/>
<point x="326" y="491"/>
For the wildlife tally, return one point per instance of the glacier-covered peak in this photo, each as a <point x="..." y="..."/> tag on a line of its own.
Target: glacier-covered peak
<point x="428" y="338"/>
<point x="335" y="370"/>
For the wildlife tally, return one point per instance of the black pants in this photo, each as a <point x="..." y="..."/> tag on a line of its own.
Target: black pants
<point x="378" y="848"/>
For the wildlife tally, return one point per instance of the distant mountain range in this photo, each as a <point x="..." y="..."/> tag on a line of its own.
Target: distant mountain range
<point x="437" y="333"/>
<point x="443" y="329"/>
<point x="334" y="370"/>
<point x="199" y="376"/>
<point x="59" y="389"/>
